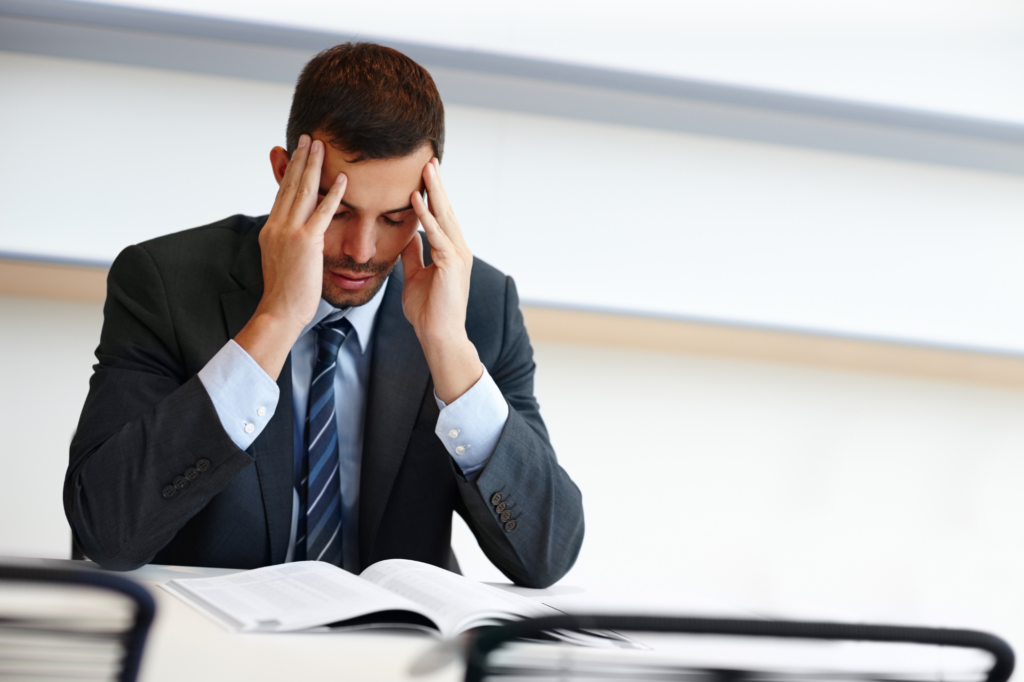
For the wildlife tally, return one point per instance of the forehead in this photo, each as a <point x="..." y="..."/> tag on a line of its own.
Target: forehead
<point x="377" y="184"/>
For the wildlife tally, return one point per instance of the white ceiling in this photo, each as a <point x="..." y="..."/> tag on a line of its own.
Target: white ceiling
<point x="955" y="56"/>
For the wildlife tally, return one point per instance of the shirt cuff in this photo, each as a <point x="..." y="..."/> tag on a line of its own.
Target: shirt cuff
<point x="471" y="426"/>
<point x="244" y="396"/>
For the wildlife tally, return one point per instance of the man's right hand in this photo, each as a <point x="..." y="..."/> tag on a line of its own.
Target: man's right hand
<point x="292" y="244"/>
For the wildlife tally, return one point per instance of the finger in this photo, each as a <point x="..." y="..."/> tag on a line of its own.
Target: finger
<point x="289" y="182"/>
<point x="324" y="213"/>
<point x="439" y="241"/>
<point x="440" y="207"/>
<point x="412" y="257"/>
<point x="308" y="187"/>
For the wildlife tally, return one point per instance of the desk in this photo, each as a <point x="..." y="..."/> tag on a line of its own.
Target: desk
<point x="185" y="645"/>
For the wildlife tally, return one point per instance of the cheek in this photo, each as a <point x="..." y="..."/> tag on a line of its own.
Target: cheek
<point x="393" y="240"/>
<point x="333" y="237"/>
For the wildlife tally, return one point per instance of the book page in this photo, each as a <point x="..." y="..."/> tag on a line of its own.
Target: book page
<point x="454" y="602"/>
<point x="287" y="597"/>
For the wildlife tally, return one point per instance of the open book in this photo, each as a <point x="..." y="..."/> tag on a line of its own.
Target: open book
<point x="310" y="594"/>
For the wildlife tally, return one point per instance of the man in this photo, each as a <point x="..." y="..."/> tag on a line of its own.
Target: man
<point x="281" y="388"/>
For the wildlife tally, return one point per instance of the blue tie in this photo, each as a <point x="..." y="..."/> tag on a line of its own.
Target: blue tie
<point x="318" y="536"/>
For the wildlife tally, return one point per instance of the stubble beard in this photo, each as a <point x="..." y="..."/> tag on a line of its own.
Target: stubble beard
<point x="343" y="298"/>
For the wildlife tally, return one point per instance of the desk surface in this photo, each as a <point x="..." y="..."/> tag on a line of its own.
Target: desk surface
<point x="186" y="645"/>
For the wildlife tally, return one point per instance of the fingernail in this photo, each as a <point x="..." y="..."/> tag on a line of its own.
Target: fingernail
<point x="303" y="140"/>
<point x="316" y="146"/>
<point x="340" y="179"/>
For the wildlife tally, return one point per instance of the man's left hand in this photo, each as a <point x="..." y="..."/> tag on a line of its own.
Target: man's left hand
<point x="435" y="297"/>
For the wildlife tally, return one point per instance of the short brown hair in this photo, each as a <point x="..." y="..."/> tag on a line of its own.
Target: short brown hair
<point x="370" y="100"/>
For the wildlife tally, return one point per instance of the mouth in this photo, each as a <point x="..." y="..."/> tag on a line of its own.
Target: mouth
<point x="352" y="282"/>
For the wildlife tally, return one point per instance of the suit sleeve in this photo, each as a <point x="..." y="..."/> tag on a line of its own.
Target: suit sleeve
<point x="144" y="425"/>
<point x="525" y="511"/>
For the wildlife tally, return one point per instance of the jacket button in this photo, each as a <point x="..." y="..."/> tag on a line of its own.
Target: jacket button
<point x="511" y="525"/>
<point x="495" y="498"/>
<point x="203" y="465"/>
<point x="501" y="507"/>
<point x="180" y="482"/>
<point x="506" y="515"/>
<point x="191" y="473"/>
<point x="170" y="491"/>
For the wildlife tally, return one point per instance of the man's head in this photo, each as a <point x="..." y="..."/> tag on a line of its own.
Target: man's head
<point x="381" y="119"/>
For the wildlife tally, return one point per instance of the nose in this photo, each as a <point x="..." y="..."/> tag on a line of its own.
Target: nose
<point x="359" y="240"/>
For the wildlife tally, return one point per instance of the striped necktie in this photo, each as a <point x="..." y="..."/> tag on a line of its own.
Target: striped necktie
<point x="318" y="536"/>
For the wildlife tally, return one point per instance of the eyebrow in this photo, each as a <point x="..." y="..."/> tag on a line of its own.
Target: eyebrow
<point x="323" y="193"/>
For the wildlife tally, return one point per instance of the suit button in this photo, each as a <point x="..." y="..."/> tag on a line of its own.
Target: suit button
<point x="203" y="465"/>
<point x="180" y="482"/>
<point x="511" y="525"/>
<point x="506" y="515"/>
<point x="495" y="498"/>
<point x="170" y="491"/>
<point x="191" y="473"/>
<point x="501" y="507"/>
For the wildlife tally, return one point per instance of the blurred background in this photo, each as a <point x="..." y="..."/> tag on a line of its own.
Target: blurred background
<point x="768" y="250"/>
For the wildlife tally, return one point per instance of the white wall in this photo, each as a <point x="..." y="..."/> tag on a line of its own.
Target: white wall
<point x="46" y="358"/>
<point x="771" y="488"/>
<point x="788" y="490"/>
<point x="583" y="214"/>
<point x="955" y="56"/>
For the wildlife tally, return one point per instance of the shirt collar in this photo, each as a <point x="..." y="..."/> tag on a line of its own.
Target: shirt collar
<point x="360" y="317"/>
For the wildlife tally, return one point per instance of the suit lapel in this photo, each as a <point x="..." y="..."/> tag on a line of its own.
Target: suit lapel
<point x="273" y="450"/>
<point x="399" y="376"/>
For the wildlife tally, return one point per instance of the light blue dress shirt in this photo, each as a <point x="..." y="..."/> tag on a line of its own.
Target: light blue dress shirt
<point x="245" y="398"/>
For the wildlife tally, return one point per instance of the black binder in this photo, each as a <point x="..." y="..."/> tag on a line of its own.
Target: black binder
<point x="481" y="666"/>
<point x="54" y="641"/>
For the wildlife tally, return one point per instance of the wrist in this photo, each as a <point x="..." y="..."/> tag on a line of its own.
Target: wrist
<point x="454" y="366"/>
<point x="268" y="339"/>
<point x="278" y="324"/>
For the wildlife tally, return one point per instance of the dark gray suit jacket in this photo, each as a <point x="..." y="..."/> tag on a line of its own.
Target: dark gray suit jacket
<point x="172" y="303"/>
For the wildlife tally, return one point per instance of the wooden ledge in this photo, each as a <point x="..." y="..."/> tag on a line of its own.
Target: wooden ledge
<point x="82" y="283"/>
<point x="766" y="345"/>
<point x="87" y="284"/>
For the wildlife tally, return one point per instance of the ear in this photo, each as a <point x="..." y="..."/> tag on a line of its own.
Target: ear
<point x="278" y="162"/>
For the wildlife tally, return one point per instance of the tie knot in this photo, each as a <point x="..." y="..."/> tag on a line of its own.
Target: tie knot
<point x="330" y="336"/>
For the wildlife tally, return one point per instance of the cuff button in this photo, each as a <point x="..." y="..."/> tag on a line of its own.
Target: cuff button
<point x="506" y="515"/>
<point x="180" y="482"/>
<point x="191" y="473"/>
<point x="453" y="433"/>
<point x="495" y="498"/>
<point x="501" y="507"/>
<point x="460" y="450"/>
<point x="249" y="428"/>
<point x="260" y="411"/>
<point x="203" y="465"/>
<point x="169" y="491"/>
<point x="511" y="525"/>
